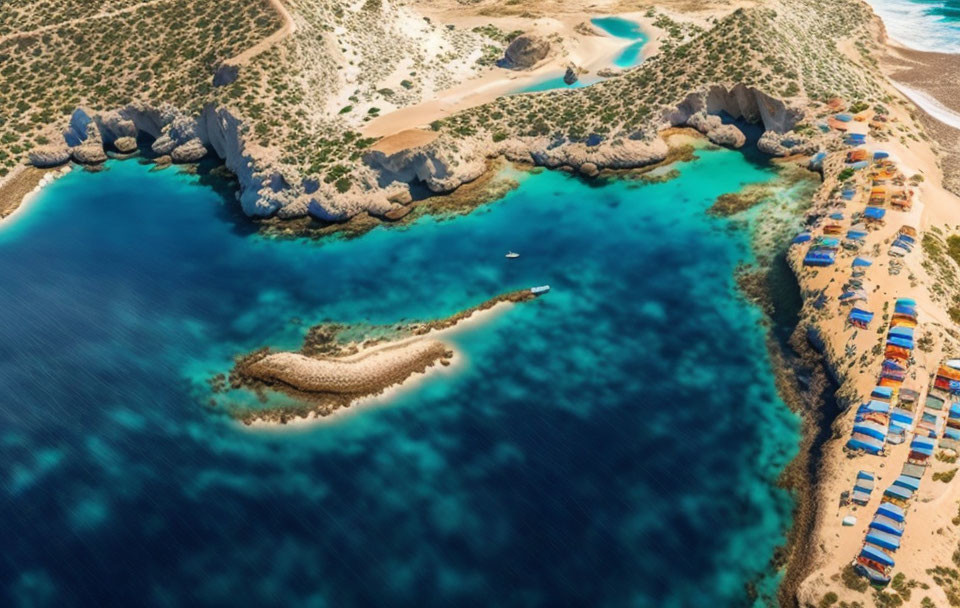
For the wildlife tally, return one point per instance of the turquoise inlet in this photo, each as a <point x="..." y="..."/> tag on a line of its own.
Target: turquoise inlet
<point x="632" y="54"/>
<point x="615" y="442"/>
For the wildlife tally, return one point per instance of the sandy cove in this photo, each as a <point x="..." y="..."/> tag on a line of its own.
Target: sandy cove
<point x="590" y="52"/>
<point x="340" y="375"/>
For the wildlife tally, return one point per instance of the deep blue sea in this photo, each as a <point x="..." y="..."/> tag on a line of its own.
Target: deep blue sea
<point x="614" y="443"/>
<point x="927" y="25"/>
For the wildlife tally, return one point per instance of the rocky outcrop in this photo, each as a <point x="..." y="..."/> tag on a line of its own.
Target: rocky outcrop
<point x="526" y="51"/>
<point x="189" y="152"/>
<point x="90" y="151"/>
<point x="712" y="126"/>
<point x="570" y="76"/>
<point x="739" y="102"/>
<point x="76" y="132"/>
<point x="125" y="144"/>
<point x="49" y="156"/>
<point x="776" y="144"/>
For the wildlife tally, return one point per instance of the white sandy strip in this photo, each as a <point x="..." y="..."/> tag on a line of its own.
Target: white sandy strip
<point x="392" y="392"/>
<point x="45" y="181"/>
<point x="930" y="105"/>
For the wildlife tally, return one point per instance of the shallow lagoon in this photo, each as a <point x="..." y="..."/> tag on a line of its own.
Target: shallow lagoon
<point x="615" y="442"/>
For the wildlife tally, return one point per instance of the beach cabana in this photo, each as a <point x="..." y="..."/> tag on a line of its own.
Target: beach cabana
<point x="860" y="318"/>
<point x="876" y="554"/>
<point x="894" y="512"/>
<point x="862" y="261"/>
<point x="902" y="419"/>
<point x="887" y="524"/>
<point x="911" y="483"/>
<point x="803" y="237"/>
<point x="883" y="540"/>
<point x="819" y="257"/>
<point x="899" y="492"/>
<point x="866" y="443"/>
<point x="871" y="429"/>
<point x="882" y="393"/>
<point x="880" y="155"/>
<point x="874" y="213"/>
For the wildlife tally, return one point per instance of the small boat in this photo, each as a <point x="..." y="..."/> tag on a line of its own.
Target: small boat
<point x="511" y="255"/>
<point x="540" y="289"/>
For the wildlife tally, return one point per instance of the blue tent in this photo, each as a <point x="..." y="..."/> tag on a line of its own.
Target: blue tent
<point x="803" y="237"/>
<point x="876" y="554"/>
<point x="819" y="257"/>
<point x="830" y="242"/>
<point x="836" y="216"/>
<point x="955" y="410"/>
<point x="874" y="406"/>
<point x="884" y="540"/>
<point x="901" y="342"/>
<point x="859" y="165"/>
<point x="901" y="419"/>
<point x="899" y="492"/>
<point x="880" y="155"/>
<point x="861" y="316"/>
<point x="856" y="235"/>
<point x="902" y="332"/>
<point x="905" y="309"/>
<point x="894" y="512"/>
<point x="922" y="445"/>
<point x="843" y="117"/>
<point x="861" y="261"/>
<point x="849" y="194"/>
<point x="907" y="301"/>
<point x="874" y="213"/>
<point x="882" y="392"/>
<point x="887" y="524"/>
<point x="866" y="443"/>
<point x="911" y="483"/>
<point x="871" y="429"/>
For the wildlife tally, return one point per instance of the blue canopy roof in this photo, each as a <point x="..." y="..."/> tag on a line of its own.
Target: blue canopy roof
<point x="887" y="524"/>
<point x="904" y="309"/>
<point x="880" y="154"/>
<point x="874" y="213"/>
<point x="861" y="261"/>
<point x="911" y="483"/>
<point x="884" y="392"/>
<point x="836" y="216"/>
<point x="922" y="442"/>
<point x="828" y="241"/>
<point x="803" y="237"/>
<point x="904" y="332"/>
<point x="859" y="165"/>
<point x="856" y="235"/>
<point x="866" y="443"/>
<point x="894" y="512"/>
<point x="882" y="539"/>
<point x="901" y="342"/>
<point x="843" y="117"/>
<point x="899" y="492"/>
<point x="871" y="429"/>
<point x="907" y="301"/>
<point x="861" y="315"/>
<point x="877" y="555"/>
<point x="874" y="406"/>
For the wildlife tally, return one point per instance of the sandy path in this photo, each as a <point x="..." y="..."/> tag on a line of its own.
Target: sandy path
<point x="288" y="28"/>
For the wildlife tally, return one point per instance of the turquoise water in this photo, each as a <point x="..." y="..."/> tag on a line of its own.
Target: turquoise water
<point x="630" y="56"/>
<point x="613" y="443"/>
<point x="927" y="25"/>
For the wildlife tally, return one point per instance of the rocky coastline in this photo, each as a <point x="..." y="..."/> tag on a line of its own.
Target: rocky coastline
<point x="442" y="164"/>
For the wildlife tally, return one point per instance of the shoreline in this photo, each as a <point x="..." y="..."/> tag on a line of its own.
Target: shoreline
<point x="343" y="383"/>
<point x="22" y="186"/>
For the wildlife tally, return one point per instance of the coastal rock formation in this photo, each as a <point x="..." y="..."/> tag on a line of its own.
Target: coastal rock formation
<point x="526" y="51"/>
<point x="49" y="156"/>
<point x="189" y="152"/>
<point x="570" y="76"/>
<point x="114" y="126"/>
<point x="125" y="144"/>
<point x="368" y="372"/>
<point x="739" y="102"/>
<point x="776" y="144"/>
<point x="90" y="151"/>
<point x="76" y="132"/>
<point x="712" y="126"/>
